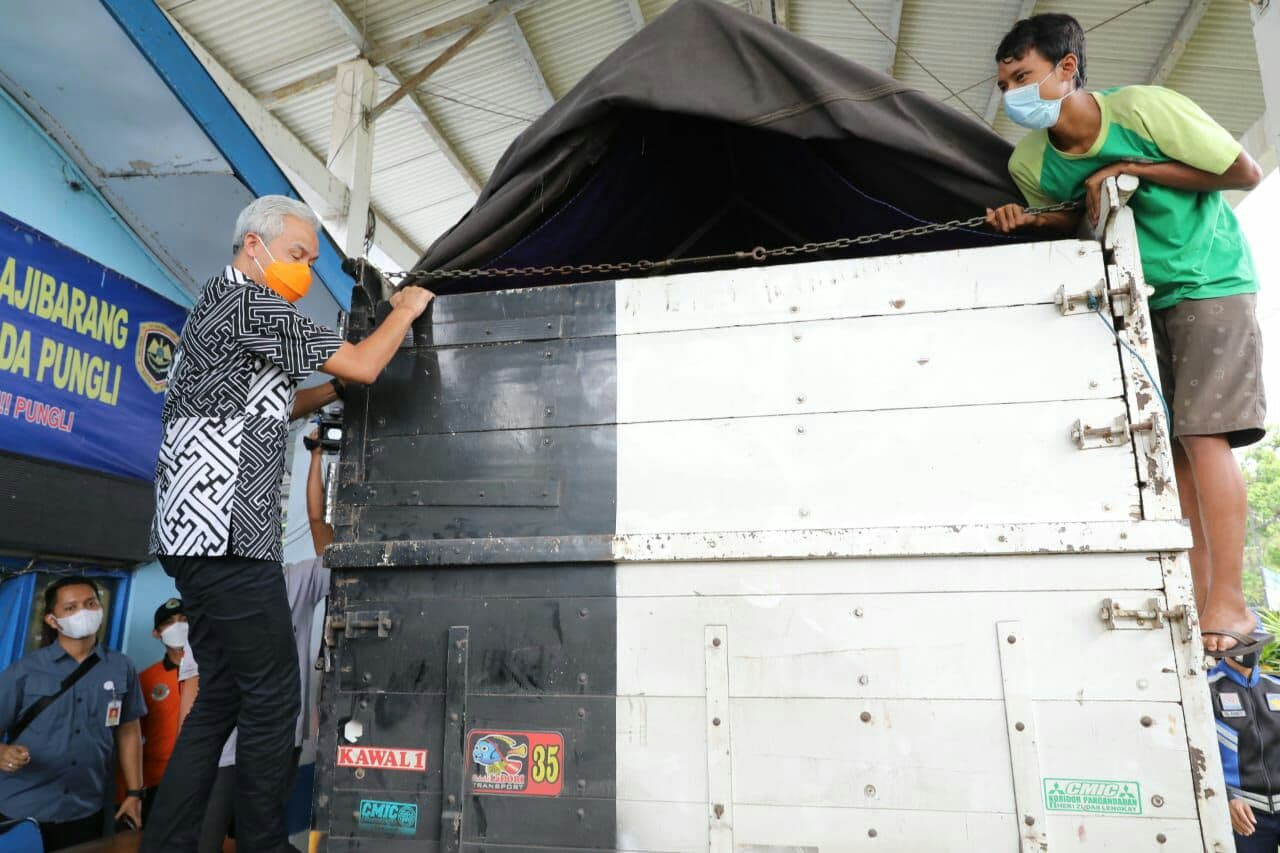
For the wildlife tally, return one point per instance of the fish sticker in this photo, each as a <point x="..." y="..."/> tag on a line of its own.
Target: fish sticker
<point x="517" y="763"/>
<point x="499" y="754"/>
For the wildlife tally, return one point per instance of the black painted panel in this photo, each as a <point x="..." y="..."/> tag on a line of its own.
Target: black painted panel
<point x="583" y="460"/>
<point x="542" y="656"/>
<point x="59" y="510"/>
<point x="496" y="386"/>
<point x="587" y="309"/>
<point x="517" y="645"/>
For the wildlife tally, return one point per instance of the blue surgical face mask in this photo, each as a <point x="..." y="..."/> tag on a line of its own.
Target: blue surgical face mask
<point x="1024" y="105"/>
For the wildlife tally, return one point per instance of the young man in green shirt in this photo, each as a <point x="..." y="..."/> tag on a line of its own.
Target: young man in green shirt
<point x="1193" y="254"/>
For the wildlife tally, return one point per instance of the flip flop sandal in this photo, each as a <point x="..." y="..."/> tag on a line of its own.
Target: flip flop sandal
<point x="1246" y="644"/>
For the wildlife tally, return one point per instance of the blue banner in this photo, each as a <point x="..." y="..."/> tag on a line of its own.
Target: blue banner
<point x="84" y="357"/>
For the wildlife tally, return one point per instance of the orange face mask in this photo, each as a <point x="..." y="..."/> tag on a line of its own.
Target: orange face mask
<point x="291" y="280"/>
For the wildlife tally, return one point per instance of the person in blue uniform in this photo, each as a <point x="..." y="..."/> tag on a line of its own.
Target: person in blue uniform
<point x="61" y="732"/>
<point x="1246" y="707"/>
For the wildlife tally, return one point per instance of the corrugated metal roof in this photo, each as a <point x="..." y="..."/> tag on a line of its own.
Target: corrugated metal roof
<point x="485" y="96"/>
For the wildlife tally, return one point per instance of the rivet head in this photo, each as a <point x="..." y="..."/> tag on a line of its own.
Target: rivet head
<point x="800" y="398"/>
<point x="582" y="611"/>
<point x="1161" y="838"/>
<point x="582" y="712"/>
<point x="719" y="810"/>
<point x="870" y="790"/>
<point x="857" y="611"/>
<point x="865" y="716"/>
<point x="582" y="678"/>
<point x="1029" y="820"/>
<point x="804" y="512"/>
<point x="454" y="716"/>
<point x="800" y="429"/>
<point x="582" y="813"/>
<point x="715" y="721"/>
<point x="1157" y="800"/>
<point x="1020" y="726"/>
<point x="359" y="774"/>
<point x="1011" y="639"/>
<point x="795" y="309"/>
<point x="715" y="641"/>
<point x="1146" y="722"/>
<point x="871" y="833"/>
<point x="864" y="680"/>
<point x="452" y="799"/>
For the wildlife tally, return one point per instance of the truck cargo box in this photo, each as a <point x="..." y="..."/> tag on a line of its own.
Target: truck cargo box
<point x="871" y="554"/>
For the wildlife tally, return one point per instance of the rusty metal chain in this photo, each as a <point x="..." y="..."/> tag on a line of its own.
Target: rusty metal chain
<point x="758" y="254"/>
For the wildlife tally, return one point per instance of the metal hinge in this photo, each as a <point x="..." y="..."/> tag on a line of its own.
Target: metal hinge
<point x="1150" y="618"/>
<point x="352" y="625"/>
<point x="1114" y="434"/>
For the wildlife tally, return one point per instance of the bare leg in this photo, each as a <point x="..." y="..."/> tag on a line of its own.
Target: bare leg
<point x="1200" y="558"/>
<point x="1224" y="504"/>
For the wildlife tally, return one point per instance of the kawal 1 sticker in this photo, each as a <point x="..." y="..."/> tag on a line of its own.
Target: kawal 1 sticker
<point x="524" y="763"/>
<point x="397" y="818"/>
<point x="378" y="758"/>
<point x="1097" y="796"/>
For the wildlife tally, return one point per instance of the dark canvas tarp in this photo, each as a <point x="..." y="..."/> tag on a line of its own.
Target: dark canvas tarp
<point x="712" y="130"/>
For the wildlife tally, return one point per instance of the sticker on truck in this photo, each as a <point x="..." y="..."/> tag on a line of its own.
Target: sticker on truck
<point x="519" y="763"/>
<point x="378" y="758"/>
<point x="1095" y="796"/>
<point x="382" y="816"/>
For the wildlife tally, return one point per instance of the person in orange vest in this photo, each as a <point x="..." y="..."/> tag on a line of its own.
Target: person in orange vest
<point x="159" y="684"/>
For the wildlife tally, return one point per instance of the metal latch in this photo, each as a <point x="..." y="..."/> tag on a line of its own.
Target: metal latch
<point x="352" y="625"/>
<point x="1078" y="303"/>
<point x="1150" y="618"/>
<point x="1116" y="433"/>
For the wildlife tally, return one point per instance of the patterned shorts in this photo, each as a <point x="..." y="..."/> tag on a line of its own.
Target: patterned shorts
<point x="1210" y="357"/>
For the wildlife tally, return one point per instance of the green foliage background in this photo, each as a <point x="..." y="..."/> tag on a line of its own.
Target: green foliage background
<point x="1262" y="542"/>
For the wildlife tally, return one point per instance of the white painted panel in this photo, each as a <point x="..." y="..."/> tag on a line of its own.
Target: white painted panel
<point x="907" y="574"/>
<point x="966" y="465"/>
<point x="1004" y="355"/>
<point x="918" y="831"/>
<point x="936" y="281"/>
<point x="940" y="755"/>
<point x="928" y="645"/>
<point x="680" y="828"/>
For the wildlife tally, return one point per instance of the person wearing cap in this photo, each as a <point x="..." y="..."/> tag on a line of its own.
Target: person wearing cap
<point x="64" y="710"/>
<point x="159" y="684"/>
<point x="1246" y="708"/>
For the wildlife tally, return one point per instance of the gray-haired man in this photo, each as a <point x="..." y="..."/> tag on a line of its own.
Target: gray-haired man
<point x="232" y="392"/>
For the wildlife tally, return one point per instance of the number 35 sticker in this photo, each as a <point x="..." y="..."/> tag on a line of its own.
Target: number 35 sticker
<point x="516" y="763"/>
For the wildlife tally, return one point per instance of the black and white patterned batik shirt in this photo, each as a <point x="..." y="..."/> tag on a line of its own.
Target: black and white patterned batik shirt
<point x="226" y="417"/>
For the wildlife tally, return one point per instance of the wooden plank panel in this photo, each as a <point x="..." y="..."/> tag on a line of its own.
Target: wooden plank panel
<point x="906" y="574"/>
<point x="973" y="278"/>
<point x="865" y="645"/>
<point x="942" y="755"/>
<point x="1005" y="355"/>
<point x="966" y="465"/>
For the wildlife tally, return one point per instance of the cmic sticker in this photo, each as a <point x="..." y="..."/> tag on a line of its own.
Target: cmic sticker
<point x="1095" y="796"/>
<point x="520" y="763"/>
<point x="396" y="818"/>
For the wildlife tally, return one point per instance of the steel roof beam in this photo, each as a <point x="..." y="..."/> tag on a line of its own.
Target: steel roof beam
<point x="893" y="28"/>
<point x="384" y="53"/>
<point x="525" y="52"/>
<point x="634" y="11"/>
<point x="354" y="30"/>
<point x="1177" y="43"/>
<point x="329" y="196"/>
<point x="1026" y="10"/>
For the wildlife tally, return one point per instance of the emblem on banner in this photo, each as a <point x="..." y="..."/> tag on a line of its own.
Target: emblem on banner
<point x="154" y="353"/>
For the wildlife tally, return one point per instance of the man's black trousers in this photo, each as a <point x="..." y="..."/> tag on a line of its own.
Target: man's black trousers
<point x="242" y="639"/>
